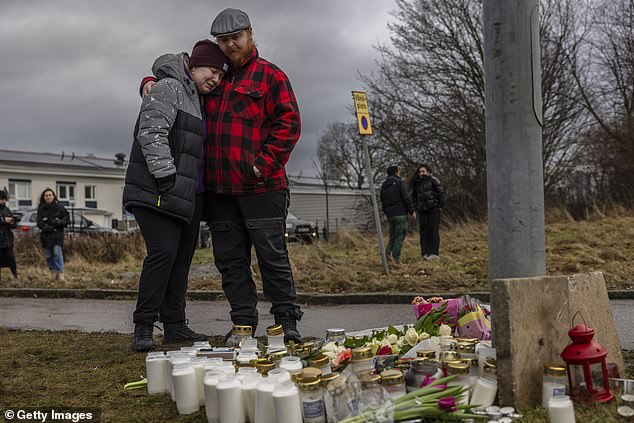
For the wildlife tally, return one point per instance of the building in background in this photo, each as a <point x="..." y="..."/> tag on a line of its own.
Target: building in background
<point x="346" y="208"/>
<point x="88" y="183"/>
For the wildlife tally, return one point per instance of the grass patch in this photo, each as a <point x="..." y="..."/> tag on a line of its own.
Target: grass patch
<point x="76" y="369"/>
<point x="350" y="261"/>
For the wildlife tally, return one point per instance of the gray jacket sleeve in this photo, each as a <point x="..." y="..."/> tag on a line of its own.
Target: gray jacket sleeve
<point x="158" y="113"/>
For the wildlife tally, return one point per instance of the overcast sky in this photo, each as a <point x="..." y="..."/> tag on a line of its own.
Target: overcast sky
<point x="70" y="69"/>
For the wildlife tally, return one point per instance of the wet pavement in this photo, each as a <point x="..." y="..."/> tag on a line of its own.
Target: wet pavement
<point x="212" y="317"/>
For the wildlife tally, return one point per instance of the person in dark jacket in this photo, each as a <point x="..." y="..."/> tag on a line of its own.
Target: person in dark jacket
<point x="253" y="125"/>
<point x="397" y="205"/>
<point x="7" y="223"/>
<point x="52" y="218"/>
<point x="428" y="197"/>
<point x="164" y="188"/>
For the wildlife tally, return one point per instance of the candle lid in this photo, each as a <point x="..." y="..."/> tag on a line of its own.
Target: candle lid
<point x="319" y="361"/>
<point x="242" y="330"/>
<point x="361" y="353"/>
<point x="426" y="354"/>
<point x="309" y="384"/>
<point x="457" y="368"/>
<point x="325" y="379"/>
<point x="275" y="330"/>
<point x="310" y="373"/>
<point x="277" y="355"/>
<point x="391" y="377"/>
<point x="368" y="379"/>
<point x="335" y="332"/>
<point x="554" y="369"/>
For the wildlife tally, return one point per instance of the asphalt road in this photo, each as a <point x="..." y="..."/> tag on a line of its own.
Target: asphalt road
<point x="212" y="318"/>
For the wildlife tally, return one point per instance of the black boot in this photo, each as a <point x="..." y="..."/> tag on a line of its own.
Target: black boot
<point x="174" y="332"/>
<point x="289" y="324"/>
<point x="142" y="340"/>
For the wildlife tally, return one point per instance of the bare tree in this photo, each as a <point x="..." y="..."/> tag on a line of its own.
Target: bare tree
<point x="340" y="150"/>
<point x="607" y="86"/>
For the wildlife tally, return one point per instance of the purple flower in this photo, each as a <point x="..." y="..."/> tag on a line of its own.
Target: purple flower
<point x="448" y="404"/>
<point x="428" y="379"/>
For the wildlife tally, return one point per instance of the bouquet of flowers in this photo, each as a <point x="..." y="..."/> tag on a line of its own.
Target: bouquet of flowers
<point x="436" y="401"/>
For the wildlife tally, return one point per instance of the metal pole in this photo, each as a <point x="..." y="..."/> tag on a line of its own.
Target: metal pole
<point x="375" y="207"/>
<point x="515" y="180"/>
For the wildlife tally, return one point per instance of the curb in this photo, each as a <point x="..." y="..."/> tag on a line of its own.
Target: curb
<point x="302" y="297"/>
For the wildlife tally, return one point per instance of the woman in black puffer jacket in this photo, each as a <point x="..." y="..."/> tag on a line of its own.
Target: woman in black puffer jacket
<point x="52" y="218"/>
<point x="428" y="197"/>
<point x="7" y="223"/>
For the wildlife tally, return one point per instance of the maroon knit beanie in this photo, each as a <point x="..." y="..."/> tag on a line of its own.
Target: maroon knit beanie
<point x="207" y="53"/>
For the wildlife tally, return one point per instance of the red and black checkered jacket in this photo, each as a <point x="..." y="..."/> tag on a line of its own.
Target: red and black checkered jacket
<point x="252" y="120"/>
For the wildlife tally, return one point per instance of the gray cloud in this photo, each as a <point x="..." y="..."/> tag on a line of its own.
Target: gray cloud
<point x="71" y="68"/>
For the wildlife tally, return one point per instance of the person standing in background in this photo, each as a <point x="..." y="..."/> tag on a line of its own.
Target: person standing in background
<point x="52" y="218"/>
<point x="7" y="223"/>
<point x="428" y="197"/>
<point x="397" y="206"/>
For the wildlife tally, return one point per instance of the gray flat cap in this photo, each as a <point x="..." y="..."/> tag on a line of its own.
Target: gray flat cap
<point x="229" y="21"/>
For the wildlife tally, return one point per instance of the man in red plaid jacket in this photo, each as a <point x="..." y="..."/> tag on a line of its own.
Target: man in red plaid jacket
<point x="253" y="124"/>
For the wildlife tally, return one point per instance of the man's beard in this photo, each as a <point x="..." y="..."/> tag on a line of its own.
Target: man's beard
<point x="236" y="59"/>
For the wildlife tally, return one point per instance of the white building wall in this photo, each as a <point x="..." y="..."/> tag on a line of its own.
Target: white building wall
<point x="109" y="188"/>
<point x="343" y="210"/>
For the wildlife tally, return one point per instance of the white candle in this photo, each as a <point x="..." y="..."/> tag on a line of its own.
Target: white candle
<point x="199" y="370"/>
<point x="211" y="396"/>
<point x="552" y="389"/>
<point x="184" y="379"/>
<point x="286" y="403"/>
<point x="155" y="368"/>
<point x="171" y="365"/>
<point x="249" y="391"/>
<point x="560" y="410"/>
<point x="484" y="393"/>
<point x="264" y="408"/>
<point x="230" y="407"/>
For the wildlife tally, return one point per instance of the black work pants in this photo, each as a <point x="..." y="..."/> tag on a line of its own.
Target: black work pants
<point x="237" y="224"/>
<point x="428" y="227"/>
<point x="7" y="259"/>
<point x="170" y="246"/>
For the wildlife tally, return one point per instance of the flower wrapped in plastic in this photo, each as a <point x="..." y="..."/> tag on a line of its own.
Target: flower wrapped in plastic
<point x="434" y="401"/>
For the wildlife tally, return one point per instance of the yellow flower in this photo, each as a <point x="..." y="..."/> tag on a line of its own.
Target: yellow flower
<point x="423" y="336"/>
<point x="444" y="330"/>
<point x="411" y="336"/>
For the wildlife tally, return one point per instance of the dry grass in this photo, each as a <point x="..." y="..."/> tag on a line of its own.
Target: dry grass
<point x="350" y="262"/>
<point x="74" y="369"/>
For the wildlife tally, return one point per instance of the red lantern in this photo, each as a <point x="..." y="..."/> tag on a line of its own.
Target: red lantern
<point x="587" y="371"/>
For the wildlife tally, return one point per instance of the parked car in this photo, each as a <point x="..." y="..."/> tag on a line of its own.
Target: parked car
<point x="300" y="230"/>
<point x="78" y="224"/>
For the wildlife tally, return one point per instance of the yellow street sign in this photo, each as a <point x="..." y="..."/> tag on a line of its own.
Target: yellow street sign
<point x="363" y="112"/>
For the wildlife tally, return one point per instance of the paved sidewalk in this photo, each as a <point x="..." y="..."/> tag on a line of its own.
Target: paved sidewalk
<point x="212" y="317"/>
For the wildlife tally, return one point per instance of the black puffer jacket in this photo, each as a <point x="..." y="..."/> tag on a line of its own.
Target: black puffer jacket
<point x="427" y="193"/>
<point x="395" y="198"/>
<point x="52" y="219"/>
<point x="6" y="236"/>
<point x="168" y="144"/>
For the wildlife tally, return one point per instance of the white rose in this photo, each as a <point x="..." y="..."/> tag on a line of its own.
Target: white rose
<point x="444" y="330"/>
<point x="330" y="346"/>
<point x="423" y="336"/>
<point x="392" y="338"/>
<point x="411" y="336"/>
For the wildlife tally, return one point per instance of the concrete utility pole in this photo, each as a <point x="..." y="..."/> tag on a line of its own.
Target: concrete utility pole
<point x="515" y="180"/>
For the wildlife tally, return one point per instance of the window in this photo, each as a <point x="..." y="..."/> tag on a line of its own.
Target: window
<point x="66" y="193"/>
<point x="90" y="195"/>
<point x="19" y="194"/>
